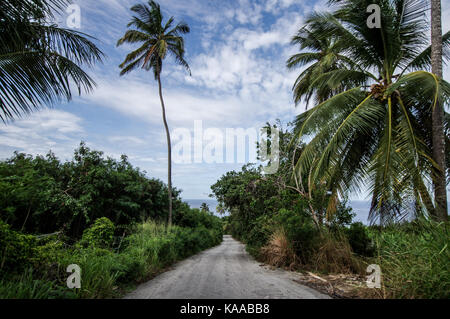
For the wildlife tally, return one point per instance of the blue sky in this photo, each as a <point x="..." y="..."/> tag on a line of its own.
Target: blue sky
<point x="237" y="51"/>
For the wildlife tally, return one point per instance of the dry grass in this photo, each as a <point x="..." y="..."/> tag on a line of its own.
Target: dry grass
<point x="279" y="252"/>
<point x="335" y="255"/>
<point x="341" y="274"/>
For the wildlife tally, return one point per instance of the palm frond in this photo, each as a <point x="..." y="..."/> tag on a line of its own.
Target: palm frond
<point x="39" y="63"/>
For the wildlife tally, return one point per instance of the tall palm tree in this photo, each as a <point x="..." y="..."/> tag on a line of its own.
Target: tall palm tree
<point x="156" y="39"/>
<point x="439" y="180"/>
<point x="39" y="61"/>
<point x="376" y="133"/>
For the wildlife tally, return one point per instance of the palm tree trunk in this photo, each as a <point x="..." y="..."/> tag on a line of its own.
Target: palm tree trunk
<point x="439" y="180"/>
<point x="169" y="149"/>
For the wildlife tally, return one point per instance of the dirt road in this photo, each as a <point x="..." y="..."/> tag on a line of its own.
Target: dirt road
<point x="224" y="272"/>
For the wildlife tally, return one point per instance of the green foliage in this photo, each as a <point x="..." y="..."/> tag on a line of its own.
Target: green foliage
<point x="187" y="217"/>
<point x="100" y="234"/>
<point x="41" y="195"/>
<point x="358" y="237"/>
<point x="413" y="256"/>
<point x="300" y="231"/>
<point x="258" y="235"/>
<point x="144" y="253"/>
<point x="92" y="208"/>
<point x="48" y="252"/>
<point x="371" y="123"/>
<point x="226" y="225"/>
<point x="39" y="61"/>
<point x="16" y="249"/>
<point x="25" y="287"/>
<point x="414" y="259"/>
<point x="155" y="40"/>
<point x="342" y="217"/>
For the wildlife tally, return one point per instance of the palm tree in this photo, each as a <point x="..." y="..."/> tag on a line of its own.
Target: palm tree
<point x="156" y="39"/>
<point x="376" y="133"/>
<point x="39" y="61"/>
<point x="324" y="56"/>
<point x="439" y="180"/>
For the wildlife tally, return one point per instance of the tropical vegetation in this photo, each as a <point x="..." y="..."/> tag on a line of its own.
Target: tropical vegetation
<point x="376" y="119"/>
<point x="99" y="213"/>
<point x="274" y="218"/>
<point x="375" y="93"/>
<point x="372" y="123"/>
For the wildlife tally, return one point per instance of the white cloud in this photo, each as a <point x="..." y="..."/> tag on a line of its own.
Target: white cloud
<point x="241" y="62"/>
<point x="141" y="101"/>
<point x="38" y="133"/>
<point x="127" y="140"/>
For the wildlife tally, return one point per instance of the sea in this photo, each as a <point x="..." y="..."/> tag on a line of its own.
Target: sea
<point x="359" y="207"/>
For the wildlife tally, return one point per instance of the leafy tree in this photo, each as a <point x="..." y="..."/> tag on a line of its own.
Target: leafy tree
<point x="376" y="133"/>
<point x="39" y="61"/>
<point x="156" y="40"/>
<point x="41" y="195"/>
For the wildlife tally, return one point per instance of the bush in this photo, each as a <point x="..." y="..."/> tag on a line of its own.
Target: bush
<point x="259" y="234"/>
<point x="25" y="287"/>
<point x="193" y="218"/>
<point x="16" y="249"/>
<point x="142" y="255"/>
<point x="42" y="195"/>
<point x="358" y="237"/>
<point x="301" y="232"/>
<point x="100" y="234"/>
<point x="279" y="251"/>
<point x="334" y="255"/>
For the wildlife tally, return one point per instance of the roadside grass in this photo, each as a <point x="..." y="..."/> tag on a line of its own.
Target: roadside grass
<point x="108" y="272"/>
<point x="414" y="260"/>
<point x="25" y="287"/>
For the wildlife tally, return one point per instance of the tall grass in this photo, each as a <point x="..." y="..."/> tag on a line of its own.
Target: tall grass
<point x="414" y="257"/>
<point x="105" y="273"/>
<point x="331" y="253"/>
<point x="415" y="260"/>
<point x="25" y="287"/>
<point x="279" y="251"/>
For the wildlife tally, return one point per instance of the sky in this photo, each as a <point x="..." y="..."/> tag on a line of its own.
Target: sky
<point x="237" y="51"/>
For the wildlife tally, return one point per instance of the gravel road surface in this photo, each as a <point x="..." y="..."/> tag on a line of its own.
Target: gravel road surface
<point x="224" y="272"/>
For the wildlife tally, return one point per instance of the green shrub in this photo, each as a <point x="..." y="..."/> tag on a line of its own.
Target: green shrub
<point x="144" y="253"/>
<point x="48" y="253"/>
<point x="100" y="234"/>
<point x="259" y="234"/>
<point x="301" y="232"/>
<point x="358" y="237"/>
<point x="42" y="195"/>
<point x="16" y="249"/>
